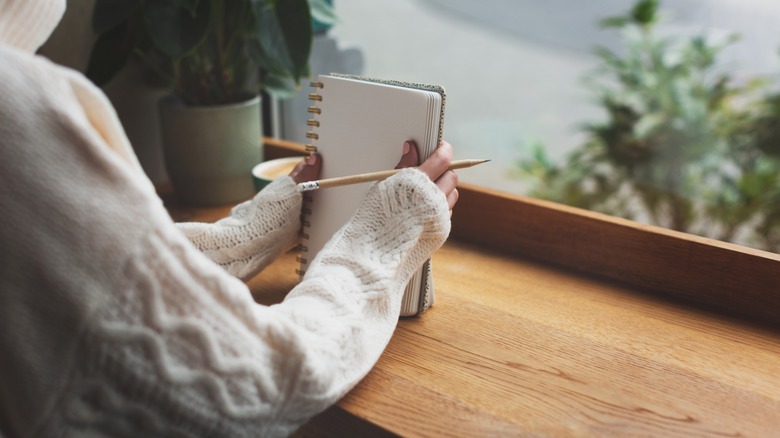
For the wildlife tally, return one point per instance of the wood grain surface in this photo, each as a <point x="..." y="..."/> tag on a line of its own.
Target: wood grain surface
<point x="514" y="348"/>
<point x="730" y="278"/>
<point x="551" y="321"/>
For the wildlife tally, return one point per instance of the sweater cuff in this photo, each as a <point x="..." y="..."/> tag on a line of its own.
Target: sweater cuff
<point x="398" y="225"/>
<point x="255" y="233"/>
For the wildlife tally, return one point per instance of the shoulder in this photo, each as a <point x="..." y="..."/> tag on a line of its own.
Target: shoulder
<point x="31" y="88"/>
<point x="23" y="73"/>
<point x="33" y="84"/>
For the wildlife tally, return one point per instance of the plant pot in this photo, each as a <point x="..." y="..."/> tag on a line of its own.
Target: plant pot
<point x="135" y="102"/>
<point x="210" y="151"/>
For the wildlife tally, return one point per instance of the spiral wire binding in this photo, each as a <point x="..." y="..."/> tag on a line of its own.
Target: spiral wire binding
<point x="311" y="148"/>
<point x="426" y="298"/>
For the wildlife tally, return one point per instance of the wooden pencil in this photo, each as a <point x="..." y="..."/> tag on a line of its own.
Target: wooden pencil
<point x="372" y="176"/>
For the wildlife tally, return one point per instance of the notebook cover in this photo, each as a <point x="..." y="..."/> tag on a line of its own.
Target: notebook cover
<point x="362" y="124"/>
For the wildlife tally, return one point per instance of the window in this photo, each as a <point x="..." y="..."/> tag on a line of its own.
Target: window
<point x="517" y="73"/>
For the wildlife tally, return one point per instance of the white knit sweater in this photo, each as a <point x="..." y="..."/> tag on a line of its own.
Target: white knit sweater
<point x="114" y="323"/>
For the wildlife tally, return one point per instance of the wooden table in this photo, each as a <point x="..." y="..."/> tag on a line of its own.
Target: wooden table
<point x="515" y="346"/>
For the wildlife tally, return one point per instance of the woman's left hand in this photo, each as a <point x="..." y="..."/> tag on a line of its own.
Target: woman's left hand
<point x="308" y="169"/>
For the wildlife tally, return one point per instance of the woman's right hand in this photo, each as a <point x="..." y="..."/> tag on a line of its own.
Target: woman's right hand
<point x="436" y="167"/>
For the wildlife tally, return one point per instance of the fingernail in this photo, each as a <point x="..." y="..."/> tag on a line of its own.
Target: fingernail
<point x="311" y="160"/>
<point x="407" y="147"/>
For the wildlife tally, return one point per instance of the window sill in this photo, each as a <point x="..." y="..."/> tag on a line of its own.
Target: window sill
<point x="551" y="320"/>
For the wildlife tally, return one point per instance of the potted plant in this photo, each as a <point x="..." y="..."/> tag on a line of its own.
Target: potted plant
<point x="215" y="56"/>
<point x="682" y="145"/>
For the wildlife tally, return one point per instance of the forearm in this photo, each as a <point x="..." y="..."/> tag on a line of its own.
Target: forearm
<point x="270" y="369"/>
<point x="255" y="233"/>
<point x="181" y="345"/>
<point x="351" y="294"/>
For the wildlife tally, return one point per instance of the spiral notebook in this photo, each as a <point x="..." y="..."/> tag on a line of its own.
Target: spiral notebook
<point x="359" y="125"/>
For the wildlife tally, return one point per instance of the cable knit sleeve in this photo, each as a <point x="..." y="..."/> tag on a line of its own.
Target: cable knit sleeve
<point x="185" y="351"/>
<point x="349" y="301"/>
<point x="112" y="323"/>
<point x="255" y="233"/>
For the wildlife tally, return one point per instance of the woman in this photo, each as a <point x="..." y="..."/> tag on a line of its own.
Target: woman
<point x="116" y="321"/>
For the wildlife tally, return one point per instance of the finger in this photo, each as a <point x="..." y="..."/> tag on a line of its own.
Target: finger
<point x="298" y="167"/>
<point x="307" y="169"/>
<point x="409" y="155"/>
<point x="438" y="162"/>
<point x="447" y="182"/>
<point x="452" y="199"/>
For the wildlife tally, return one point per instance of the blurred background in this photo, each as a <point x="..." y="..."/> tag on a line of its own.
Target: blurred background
<point x="648" y="116"/>
<point x="667" y="113"/>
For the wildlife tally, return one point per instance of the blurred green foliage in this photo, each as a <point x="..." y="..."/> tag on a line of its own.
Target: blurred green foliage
<point x="681" y="146"/>
<point x="208" y="52"/>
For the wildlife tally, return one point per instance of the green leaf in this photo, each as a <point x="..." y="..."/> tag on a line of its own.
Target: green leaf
<point x="190" y="6"/>
<point x="280" y="87"/>
<point x="644" y="12"/>
<point x="614" y="22"/>
<point x="266" y="62"/>
<point x="108" y="14"/>
<point x="752" y="185"/>
<point x="174" y="29"/>
<point x="647" y="124"/>
<point x="109" y="54"/>
<point x="609" y="58"/>
<point x="285" y="34"/>
<point x="323" y="12"/>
